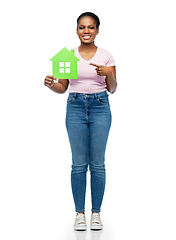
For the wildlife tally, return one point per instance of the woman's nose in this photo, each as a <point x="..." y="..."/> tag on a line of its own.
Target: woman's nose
<point x="86" y="30"/>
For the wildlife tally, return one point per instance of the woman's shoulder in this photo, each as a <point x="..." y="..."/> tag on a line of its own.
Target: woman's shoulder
<point x="107" y="55"/>
<point x="104" y="50"/>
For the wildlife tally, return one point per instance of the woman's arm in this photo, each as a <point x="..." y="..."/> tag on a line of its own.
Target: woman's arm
<point x="58" y="87"/>
<point x="110" y="73"/>
<point x="111" y="81"/>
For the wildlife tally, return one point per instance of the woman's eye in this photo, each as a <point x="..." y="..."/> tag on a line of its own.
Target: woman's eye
<point x="83" y="27"/>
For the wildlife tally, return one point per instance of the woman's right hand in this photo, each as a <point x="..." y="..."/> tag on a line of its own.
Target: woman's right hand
<point x="49" y="80"/>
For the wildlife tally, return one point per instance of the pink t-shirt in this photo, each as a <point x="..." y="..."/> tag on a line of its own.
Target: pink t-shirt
<point x="88" y="81"/>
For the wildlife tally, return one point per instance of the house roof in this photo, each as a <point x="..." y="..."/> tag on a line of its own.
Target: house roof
<point x="65" y="55"/>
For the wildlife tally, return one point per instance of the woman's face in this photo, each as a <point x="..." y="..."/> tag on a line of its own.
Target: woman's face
<point x="87" y="30"/>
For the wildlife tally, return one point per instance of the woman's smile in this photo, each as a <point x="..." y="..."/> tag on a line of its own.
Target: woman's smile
<point x="86" y="37"/>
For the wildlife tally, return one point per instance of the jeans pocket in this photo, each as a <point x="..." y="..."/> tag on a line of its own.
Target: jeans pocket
<point x="103" y="100"/>
<point x="70" y="99"/>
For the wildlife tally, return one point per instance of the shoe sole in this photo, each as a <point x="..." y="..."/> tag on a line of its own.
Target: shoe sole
<point x="99" y="227"/>
<point x="80" y="228"/>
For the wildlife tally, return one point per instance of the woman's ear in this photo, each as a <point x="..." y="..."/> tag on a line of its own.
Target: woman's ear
<point x="97" y="30"/>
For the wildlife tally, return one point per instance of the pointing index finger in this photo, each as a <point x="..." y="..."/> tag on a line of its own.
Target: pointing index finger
<point x="95" y="65"/>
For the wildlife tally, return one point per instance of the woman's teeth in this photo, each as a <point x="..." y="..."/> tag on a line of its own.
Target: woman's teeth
<point x="86" y="37"/>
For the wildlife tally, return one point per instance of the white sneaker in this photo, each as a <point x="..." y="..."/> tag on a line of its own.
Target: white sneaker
<point x="80" y="222"/>
<point x="95" y="223"/>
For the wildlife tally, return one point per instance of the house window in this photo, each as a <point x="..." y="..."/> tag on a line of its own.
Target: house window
<point x="64" y="67"/>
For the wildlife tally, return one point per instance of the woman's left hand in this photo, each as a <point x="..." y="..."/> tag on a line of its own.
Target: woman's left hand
<point x="101" y="70"/>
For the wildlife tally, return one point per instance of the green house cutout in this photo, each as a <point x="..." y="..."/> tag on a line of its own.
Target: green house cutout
<point x="65" y="64"/>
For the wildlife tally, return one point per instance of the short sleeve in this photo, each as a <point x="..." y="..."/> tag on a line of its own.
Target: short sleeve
<point x="110" y="60"/>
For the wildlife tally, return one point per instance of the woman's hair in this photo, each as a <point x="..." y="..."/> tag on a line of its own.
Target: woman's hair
<point x="92" y="15"/>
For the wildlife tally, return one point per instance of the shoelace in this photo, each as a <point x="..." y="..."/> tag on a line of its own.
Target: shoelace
<point x="80" y="218"/>
<point x="95" y="218"/>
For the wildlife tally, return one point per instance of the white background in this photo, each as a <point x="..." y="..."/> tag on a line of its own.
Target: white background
<point x="36" y="200"/>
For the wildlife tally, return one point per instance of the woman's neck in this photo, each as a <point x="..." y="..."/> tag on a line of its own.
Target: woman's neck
<point x="87" y="47"/>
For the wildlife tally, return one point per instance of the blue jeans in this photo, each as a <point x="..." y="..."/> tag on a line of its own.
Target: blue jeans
<point x="88" y="121"/>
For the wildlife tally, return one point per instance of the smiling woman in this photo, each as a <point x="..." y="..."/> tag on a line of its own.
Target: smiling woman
<point x="87" y="27"/>
<point x="88" y="117"/>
